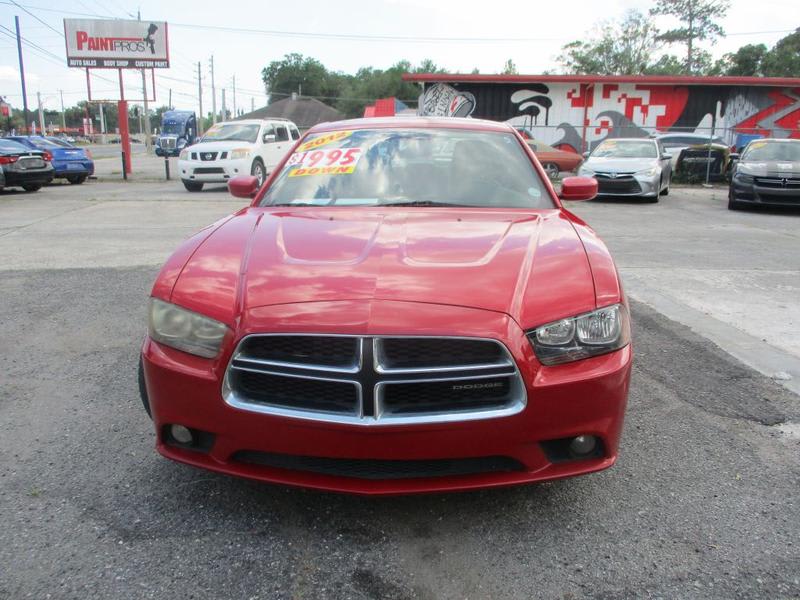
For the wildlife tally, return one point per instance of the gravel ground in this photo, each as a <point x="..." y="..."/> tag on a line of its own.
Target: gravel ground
<point x="702" y="504"/>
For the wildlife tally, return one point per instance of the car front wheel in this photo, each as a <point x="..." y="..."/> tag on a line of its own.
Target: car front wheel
<point x="733" y="203"/>
<point x="258" y="171"/>
<point x="665" y="191"/>
<point x="76" y="179"/>
<point x="32" y="187"/>
<point x="552" y="170"/>
<point x="192" y="186"/>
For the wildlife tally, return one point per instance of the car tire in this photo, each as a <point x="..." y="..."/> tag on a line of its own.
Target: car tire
<point x="76" y="179"/>
<point x="259" y="171"/>
<point x="192" y="186"/>
<point x="734" y="204"/>
<point x="552" y="170"/>
<point x="32" y="187"/>
<point x="665" y="191"/>
<point x="143" y="389"/>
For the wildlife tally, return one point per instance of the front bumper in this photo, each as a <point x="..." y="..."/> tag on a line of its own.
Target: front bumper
<point x="641" y="186"/>
<point x="213" y="171"/>
<point x="583" y="398"/>
<point x="752" y="193"/>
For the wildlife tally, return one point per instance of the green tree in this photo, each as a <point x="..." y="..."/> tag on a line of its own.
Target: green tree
<point x="509" y="68"/>
<point x="622" y="47"/>
<point x="784" y="59"/>
<point x="699" y="22"/>
<point x="298" y="73"/>
<point x="746" y="61"/>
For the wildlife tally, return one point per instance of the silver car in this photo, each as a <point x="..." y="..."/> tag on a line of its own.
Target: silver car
<point x="629" y="167"/>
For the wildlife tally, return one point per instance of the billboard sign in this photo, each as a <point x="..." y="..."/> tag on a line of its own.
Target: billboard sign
<point x="116" y="44"/>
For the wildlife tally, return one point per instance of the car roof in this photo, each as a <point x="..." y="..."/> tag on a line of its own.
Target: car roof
<point x="775" y="140"/>
<point x="631" y="139"/>
<point x="256" y="121"/>
<point x="413" y="123"/>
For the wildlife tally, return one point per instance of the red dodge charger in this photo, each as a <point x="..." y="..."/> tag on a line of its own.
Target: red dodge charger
<point x="405" y="306"/>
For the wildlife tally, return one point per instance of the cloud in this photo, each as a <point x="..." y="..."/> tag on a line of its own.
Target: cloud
<point x="9" y="73"/>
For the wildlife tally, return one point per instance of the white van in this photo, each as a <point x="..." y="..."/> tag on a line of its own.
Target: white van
<point x="247" y="147"/>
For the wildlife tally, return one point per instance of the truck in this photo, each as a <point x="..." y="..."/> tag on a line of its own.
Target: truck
<point x="178" y="130"/>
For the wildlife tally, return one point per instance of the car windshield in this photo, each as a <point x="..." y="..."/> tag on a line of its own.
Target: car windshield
<point x="625" y="149"/>
<point x="788" y="151"/>
<point x="172" y="127"/>
<point x="222" y="132"/>
<point x="12" y="146"/>
<point x="409" y="167"/>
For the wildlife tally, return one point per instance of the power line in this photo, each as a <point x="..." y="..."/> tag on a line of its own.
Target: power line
<point x="356" y="36"/>
<point x="61" y="33"/>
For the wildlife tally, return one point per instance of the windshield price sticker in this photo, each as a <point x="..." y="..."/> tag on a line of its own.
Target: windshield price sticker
<point x="324" y="162"/>
<point x="323" y="140"/>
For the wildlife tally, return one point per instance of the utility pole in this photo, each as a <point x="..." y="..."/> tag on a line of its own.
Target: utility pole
<point x="148" y="143"/>
<point x="252" y="104"/>
<point x="22" y="77"/>
<point x="63" y="117"/>
<point x="102" y="123"/>
<point x="213" y="94"/>
<point x="200" y="95"/>
<point x="234" y="97"/>
<point x="169" y="104"/>
<point x="41" y="113"/>
<point x="224" y="113"/>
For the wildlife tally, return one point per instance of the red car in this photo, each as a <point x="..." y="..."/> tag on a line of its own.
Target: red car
<point x="405" y="306"/>
<point x="554" y="160"/>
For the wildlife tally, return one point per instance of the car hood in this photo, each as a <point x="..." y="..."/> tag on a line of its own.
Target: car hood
<point x="770" y="168"/>
<point x="532" y="266"/>
<point x="619" y="165"/>
<point x="219" y="146"/>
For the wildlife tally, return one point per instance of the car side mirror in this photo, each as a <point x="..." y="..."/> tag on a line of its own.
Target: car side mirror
<point x="578" y="188"/>
<point x="585" y="155"/>
<point x="269" y="138"/>
<point x="667" y="157"/>
<point x="734" y="156"/>
<point x="243" y="186"/>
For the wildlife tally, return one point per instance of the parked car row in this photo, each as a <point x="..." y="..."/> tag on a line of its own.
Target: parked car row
<point x="32" y="161"/>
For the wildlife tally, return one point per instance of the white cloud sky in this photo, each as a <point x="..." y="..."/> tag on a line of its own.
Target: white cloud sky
<point x="245" y="54"/>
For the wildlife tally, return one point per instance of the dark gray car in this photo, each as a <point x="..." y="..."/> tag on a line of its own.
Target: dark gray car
<point x="767" y="174"/>
<point x="24" y="167"/>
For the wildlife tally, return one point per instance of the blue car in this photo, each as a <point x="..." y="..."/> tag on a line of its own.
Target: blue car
<point x="69" y="162"/>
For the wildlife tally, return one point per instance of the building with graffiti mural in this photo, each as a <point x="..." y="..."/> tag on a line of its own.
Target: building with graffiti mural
<point x="577" y="112"/>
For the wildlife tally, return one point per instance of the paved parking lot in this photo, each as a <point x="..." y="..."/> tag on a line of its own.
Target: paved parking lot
<point x="703" y="502"/>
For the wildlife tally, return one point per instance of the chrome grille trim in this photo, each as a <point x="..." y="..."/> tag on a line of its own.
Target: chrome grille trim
<point x="372" y="378"/>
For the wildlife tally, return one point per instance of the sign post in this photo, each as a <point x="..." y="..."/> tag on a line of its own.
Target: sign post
<point x="117" y="44"/>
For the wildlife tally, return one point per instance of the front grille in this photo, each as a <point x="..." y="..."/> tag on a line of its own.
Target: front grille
<point x="360" y="468"/>
<point x="790" y="183"/>
<point x="209" y="170"/>
<point x="206" y="156"/>
<point x="168" y="143"/>
<point x="621" y="184"/>
<point x="374" y="380"/>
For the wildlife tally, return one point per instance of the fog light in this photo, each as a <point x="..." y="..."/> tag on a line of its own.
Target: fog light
<point x="580" y="446"/>
<point x="181" y="434"/>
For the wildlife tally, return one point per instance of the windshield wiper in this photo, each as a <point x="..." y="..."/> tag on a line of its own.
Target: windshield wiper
<point x="420" y="203"/>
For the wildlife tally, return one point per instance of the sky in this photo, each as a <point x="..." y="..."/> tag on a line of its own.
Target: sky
<point x="480" y="35"/>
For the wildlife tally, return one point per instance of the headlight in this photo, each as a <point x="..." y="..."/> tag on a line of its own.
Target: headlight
<point x="743" y="177"/>
<point x="651" y="172"/>
<point x="240" y="153"/>
<point x="184" y="155"/>
<point x="181" y="142"/>
<point x="598" y="332"/>
<point x="185" y="330"/>
<point x="585" y="172"/>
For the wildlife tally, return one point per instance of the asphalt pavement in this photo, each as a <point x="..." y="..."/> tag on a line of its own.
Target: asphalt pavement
<point x="702" y="503"/>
